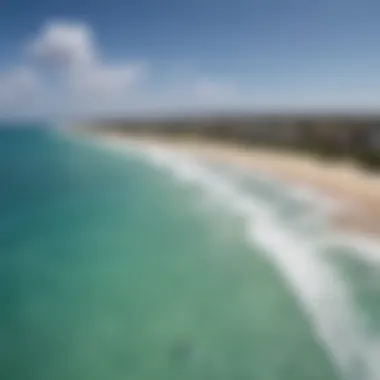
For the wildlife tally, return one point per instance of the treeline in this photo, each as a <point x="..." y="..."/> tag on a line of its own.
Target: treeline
<point x="332" y="137"/>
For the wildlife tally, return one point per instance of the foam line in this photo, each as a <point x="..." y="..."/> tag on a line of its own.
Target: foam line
<point x="326" y="298"/>
<point x="324" y="295"/>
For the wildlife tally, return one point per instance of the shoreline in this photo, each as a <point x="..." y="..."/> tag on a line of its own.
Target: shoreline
<point x="354" y="189"/>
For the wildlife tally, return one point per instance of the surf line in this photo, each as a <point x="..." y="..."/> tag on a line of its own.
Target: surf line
<point x="322" y="293"/>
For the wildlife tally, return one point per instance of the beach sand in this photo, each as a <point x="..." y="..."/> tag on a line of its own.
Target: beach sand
<point x="356" y="190"/>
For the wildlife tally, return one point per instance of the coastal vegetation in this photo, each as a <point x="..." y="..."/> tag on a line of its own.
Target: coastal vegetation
<point x="355" y="138"/>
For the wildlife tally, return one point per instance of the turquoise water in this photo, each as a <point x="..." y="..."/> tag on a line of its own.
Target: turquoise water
<point x="112" y="268"/>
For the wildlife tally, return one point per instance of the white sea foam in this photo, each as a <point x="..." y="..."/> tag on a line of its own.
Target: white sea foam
<point x="363" y="247"/>
<point x="324" y="294"/>
<point x="326" y="297"/>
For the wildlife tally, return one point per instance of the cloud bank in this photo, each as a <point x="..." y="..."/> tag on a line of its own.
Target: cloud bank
<point x="64" y="45"/>
<point x="65" y="74"/>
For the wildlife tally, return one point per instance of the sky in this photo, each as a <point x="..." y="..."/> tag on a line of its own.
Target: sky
<point x="82" y="58"/>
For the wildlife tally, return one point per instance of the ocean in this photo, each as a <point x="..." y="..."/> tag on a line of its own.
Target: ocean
<point x="129" y="263"/>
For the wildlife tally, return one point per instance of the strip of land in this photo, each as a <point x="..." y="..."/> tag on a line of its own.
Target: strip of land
<point x="357" y="189"/>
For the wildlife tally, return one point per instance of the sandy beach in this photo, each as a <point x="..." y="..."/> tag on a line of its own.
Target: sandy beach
<point x="356" y="190"/>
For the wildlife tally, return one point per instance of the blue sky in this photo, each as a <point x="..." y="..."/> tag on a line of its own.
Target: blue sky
<point x="116" y="57"/>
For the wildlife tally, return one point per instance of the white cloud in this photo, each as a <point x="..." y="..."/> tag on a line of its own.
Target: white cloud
<point x="19" y="86"/>
<point x="75" y="79"/>
<point x="64" y="44"/>
<point x="84" y="75"/>
<point x="104" y="80"/>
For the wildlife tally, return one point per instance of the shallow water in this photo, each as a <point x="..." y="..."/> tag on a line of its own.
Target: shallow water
<point x="122" y="264"/>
